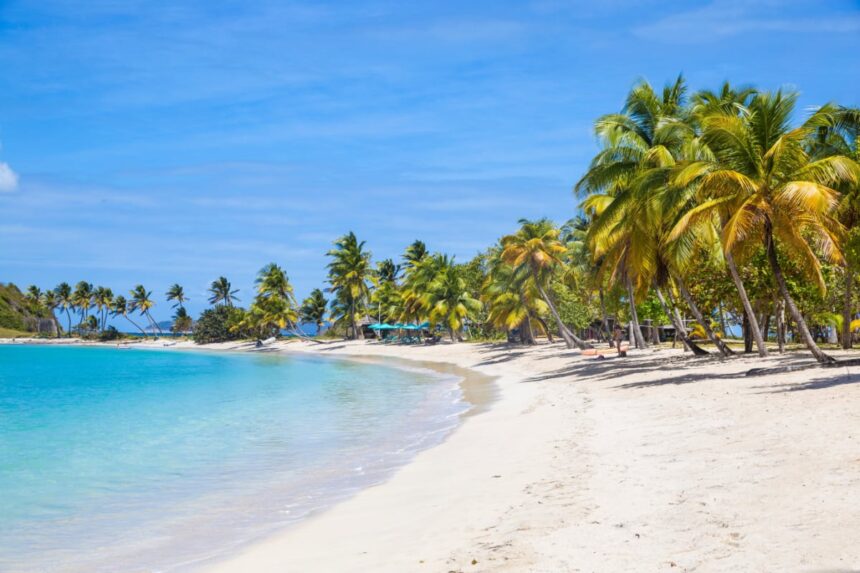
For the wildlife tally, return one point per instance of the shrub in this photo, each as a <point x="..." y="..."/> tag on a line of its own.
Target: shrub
<point x="218" y="325"/>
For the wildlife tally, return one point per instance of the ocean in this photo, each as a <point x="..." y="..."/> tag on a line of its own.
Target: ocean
<point x="158" y="460"/>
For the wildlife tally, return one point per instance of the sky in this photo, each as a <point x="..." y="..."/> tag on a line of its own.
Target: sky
<point x="160" y="142"/>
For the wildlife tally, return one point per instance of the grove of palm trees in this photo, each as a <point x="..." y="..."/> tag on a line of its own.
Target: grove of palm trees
<point x="725" y="218"/>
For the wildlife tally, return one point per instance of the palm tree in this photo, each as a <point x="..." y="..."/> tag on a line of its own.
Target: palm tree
<point x="275" y="303"/>
<point x="141" y="301"/>
<point x="415" y="253"/>
<point x="448" y="299"/>
<point x="121" y="308"/>
<point x="386" y="296"/>
<point x="313" y="309"/>
<point x="103" y="300"/>
<point x="420" y="272"/>
<point x="512" y="298"/>
<point x="181" y="321"/>
<point x="729" y="101"/>
<point x="349" y="273"/>
<point x="839" y="135"/>
<point x="83" y="299"/>
<point x="50" y="302"/>
<point x="177" y="293"/>
<point x="770" y="192"/>
<point x="64" y="298"/>
<point x="34" y="299"/>
<point x="649" y="132"/>
<point x="221" y="293"/>
<point x="633" y="212"/>
<point x="537" y="248"/>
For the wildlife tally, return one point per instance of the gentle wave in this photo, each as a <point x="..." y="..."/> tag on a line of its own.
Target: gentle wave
<point x="158" y="461"/>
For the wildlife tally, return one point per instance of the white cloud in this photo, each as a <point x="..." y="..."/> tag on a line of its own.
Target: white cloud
<point x="8" y="178"/>
<point x="726" y="18"/>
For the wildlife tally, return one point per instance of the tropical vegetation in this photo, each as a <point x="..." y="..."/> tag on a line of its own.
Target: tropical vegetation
<point x="721" y="214"/>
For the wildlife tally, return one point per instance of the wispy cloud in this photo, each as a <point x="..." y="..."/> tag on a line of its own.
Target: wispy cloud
<point x="725" y="18"/>
<point x="8" y="179"/>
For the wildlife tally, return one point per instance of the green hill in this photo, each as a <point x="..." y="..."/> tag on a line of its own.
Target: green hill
<point x="16" y="317"/>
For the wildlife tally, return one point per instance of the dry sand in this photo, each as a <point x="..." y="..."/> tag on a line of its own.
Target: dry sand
<point x="657" y="462"/>
<point x="651" y="463"/>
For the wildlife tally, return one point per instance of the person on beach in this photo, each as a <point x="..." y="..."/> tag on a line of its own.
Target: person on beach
<point x="617" y="336"/>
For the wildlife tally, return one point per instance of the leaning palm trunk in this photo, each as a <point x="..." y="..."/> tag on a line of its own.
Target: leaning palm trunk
<point x="142" y="331"/>
<point x="69" y="319"/>
<point x="679" y="326"/>
<point x="570" y="339"/>
<point x="700" y="318"/>
<point x="847" y="311"/>
<point x="634" y="317"/>
<point x="545" y="328"/>
<point x="802" y="328"/>
<point x="745" y="300"/>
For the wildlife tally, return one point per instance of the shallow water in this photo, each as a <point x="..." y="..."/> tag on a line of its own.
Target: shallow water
<point x="145" y="460"/>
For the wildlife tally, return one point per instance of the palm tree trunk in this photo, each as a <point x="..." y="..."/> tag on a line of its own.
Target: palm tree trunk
<point x="802" y="328"/>
<point x="142" y="331"/>
<point x="745" y="300"/>
<point x="605" y="320"/>
<point x="634" y="317"/>
<point x="69" y="319"/>
<point x="847" y="307"/>
<point x="679" y="326"/>
<point x="546" y="329"/>
<point x="357" y="333"/>
<point x="779" y="305"/>
<point x="700" y="318"/>
<point x="570" y="339"/>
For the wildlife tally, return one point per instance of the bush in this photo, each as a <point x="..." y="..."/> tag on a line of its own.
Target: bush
<point x="214" y="325"/>
<point x="110" y="333"/>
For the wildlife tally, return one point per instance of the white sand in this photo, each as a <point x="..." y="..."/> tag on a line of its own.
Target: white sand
<point x="656" y="462"/>
<point x="651" y="463"/>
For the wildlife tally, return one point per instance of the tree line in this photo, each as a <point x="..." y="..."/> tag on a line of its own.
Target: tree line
<point x="700" y="211"/>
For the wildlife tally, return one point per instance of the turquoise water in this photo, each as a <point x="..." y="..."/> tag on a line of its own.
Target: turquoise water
<point x="146" y="460"/>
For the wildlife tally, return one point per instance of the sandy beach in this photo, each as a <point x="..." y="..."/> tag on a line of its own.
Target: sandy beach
<point x="655" y="462"/>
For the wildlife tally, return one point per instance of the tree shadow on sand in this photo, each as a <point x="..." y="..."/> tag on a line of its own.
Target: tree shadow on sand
<point x="672" y="370"/>
<point x="821" y="383"/>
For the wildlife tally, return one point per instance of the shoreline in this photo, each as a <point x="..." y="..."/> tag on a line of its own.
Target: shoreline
<point x="655" y="462"/>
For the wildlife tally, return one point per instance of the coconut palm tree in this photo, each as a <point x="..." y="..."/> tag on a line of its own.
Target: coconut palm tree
<point x="34" y="299"/>
<point x="771" y="194"/>
<point x="275" y="303"/>
<point x="83" y="299"/>
<point x="141" y="301"/>
<point x="537" y="248"/>
<point x="50" y="302"/>
<point x="731" y="101"/>
<point x="416" y="282"/>
<point x="177" y="293"/>
<point x="349" y="273"/>
<point x="448" y="299"/>
<point x="64" y="298"/>
<point x="512" y="299"/>
<point x="415" y="253"/>
<point x="103" y="300"/>
<point x="650" y="132"/>
<point x="839" y="135"/>
<point x="121" y="308"/>
<point x="221" y="292"/>
<point x="628" y="182"/>
<point x="181" y="321"/>
<point x="313" y="309"/>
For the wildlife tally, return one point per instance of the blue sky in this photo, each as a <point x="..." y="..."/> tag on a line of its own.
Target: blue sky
<point x="174" y="142"/>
